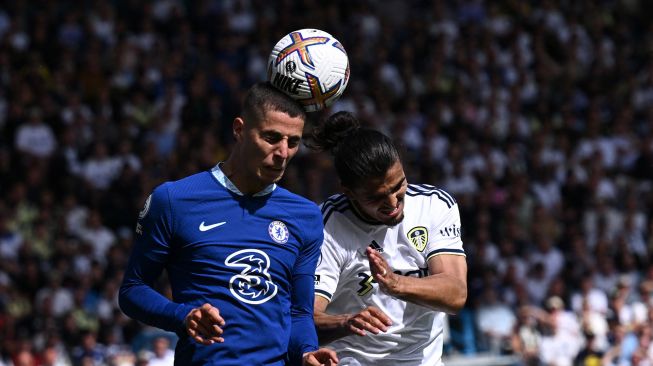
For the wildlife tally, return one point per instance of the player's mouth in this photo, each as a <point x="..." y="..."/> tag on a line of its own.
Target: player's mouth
<point x="275" y="169"/>
<point x="394" y="212"/>
<point x="272" y="173"/>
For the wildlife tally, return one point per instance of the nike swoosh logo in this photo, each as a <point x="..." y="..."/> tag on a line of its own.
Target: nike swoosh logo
<point x="212" y="226"/>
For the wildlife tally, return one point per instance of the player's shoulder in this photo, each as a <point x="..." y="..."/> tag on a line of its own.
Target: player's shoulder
<point x="185" y="191"/>
<point x="294" y="199"/>
<point x="188" y="185"/>
<point x="334" y="205"/>
<point x="429" y="194"/>
<point x="294" y="203"/>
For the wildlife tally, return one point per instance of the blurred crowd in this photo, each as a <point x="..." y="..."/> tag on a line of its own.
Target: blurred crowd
<point x="536" y="115"/>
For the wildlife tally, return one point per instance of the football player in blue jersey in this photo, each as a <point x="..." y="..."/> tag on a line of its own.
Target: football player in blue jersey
<point x="392" y="261"/>
<point x="240" y="251"/>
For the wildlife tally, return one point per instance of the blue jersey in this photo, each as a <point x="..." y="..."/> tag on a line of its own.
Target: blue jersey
<point x="252" y="257"/>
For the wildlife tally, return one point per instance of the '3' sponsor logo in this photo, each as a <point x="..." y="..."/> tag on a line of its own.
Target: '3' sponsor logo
<point x="253" y="284"/>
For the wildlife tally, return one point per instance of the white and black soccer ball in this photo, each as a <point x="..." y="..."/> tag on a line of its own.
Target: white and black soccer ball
<point x="311" y="66"/>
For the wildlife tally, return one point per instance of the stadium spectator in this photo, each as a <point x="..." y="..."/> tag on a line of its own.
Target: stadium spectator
<point x="34" y="137"/>
<point x="495" y="320"/>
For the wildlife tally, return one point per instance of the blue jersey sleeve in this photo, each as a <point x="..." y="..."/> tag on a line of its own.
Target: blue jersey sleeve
<point x="303" y="337"/>
<point x="137" y="297"/>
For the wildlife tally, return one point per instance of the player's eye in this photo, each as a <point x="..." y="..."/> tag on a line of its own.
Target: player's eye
<point x="374" y="199"/>
<point x="293" y="142"/>
<point x="272" y="138"/>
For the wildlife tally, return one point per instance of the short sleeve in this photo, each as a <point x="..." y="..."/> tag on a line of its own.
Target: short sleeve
<point x="445" y="235"/>
<point x="328" y="268"/>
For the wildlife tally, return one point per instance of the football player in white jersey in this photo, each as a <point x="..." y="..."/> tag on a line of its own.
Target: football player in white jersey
<point x="392" y="260"/>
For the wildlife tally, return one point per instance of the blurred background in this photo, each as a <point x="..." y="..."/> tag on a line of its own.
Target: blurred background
<point x="536" y="115"/>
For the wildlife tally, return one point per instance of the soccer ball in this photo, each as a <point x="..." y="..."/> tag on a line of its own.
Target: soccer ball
<point x="311" y="66"/>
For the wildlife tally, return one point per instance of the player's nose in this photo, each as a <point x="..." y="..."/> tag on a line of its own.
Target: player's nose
<point x="392" y="201"/>
<point x="282" y="150"/>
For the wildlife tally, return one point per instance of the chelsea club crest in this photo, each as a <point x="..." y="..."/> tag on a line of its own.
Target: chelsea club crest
<point x="278" y="232"/>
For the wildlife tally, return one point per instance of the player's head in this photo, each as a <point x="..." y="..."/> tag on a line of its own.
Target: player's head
<point x="267" y="134"/>
<point x="368" y="165"/>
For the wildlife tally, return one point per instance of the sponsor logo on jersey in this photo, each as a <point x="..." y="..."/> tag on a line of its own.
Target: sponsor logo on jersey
<point x="367" y="280"/>
<point x="452" y="230"/>
<point x="204" y="227"/>
<point x="253" y="285"/>
<point x="374" y="245"/>
<point x="419" y="237"/>
<point x="278" y="232"/>
<point x="146" y="208"/>
<point x="365" y="284"/>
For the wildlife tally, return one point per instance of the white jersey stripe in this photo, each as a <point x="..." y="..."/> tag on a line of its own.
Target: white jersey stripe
<point x="436" y="193"/>
<point x="334" y="203"/>
<point x="429" y="189"/>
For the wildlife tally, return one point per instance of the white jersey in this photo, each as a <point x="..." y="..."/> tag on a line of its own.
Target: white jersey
<point x="431" y="226"/>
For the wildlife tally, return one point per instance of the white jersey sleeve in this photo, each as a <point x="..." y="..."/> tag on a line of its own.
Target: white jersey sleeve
<point x="328" y="268"/>
<point x="446" y="234"/>
<point x="334" y="255"/>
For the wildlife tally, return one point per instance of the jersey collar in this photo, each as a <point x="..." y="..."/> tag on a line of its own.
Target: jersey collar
<point x="222" y="178"/>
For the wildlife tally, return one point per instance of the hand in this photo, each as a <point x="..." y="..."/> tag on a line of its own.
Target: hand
<point x="370" y="319"/>
<point x="389" y="282"/>
<point x="321" y="357"/>
<point x="204" y="324"/>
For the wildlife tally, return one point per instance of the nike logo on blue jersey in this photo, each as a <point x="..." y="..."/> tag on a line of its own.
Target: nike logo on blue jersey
<point x="212" y="226"/>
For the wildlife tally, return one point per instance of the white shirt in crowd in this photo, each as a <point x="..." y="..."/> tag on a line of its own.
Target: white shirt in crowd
<point x="36" y="139"/>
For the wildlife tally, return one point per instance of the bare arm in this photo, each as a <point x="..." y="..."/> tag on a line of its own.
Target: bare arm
<point x="331" y="327"/>
<point x="445" y="289"/>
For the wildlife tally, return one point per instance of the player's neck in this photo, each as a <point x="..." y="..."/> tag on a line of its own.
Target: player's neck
<point x="239" y="177"/>
<point x="362" y="215"/>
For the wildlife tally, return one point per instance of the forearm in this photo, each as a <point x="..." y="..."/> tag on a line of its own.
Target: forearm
<point x="303" y="337"/>
<point x="141" y="302"/>
<point x="440" y="292"/>
<point x="331" y="327"/>
<point x="138" y="299"/>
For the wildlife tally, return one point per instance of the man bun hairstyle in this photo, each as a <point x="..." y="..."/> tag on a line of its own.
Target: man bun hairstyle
<point x="263" y="97"/>
<point x="333" y="131"/>
<point x="359" y="153"/>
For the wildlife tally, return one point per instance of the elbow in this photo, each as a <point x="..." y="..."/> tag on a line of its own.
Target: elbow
<point x="124" y="301"/>
<point x="457" y="302"/>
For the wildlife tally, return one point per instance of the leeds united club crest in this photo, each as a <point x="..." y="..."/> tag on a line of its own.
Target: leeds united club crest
<point x="419" y="237"/>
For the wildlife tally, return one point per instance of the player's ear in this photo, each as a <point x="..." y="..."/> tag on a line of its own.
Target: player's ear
<point x="238" y="128"/>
